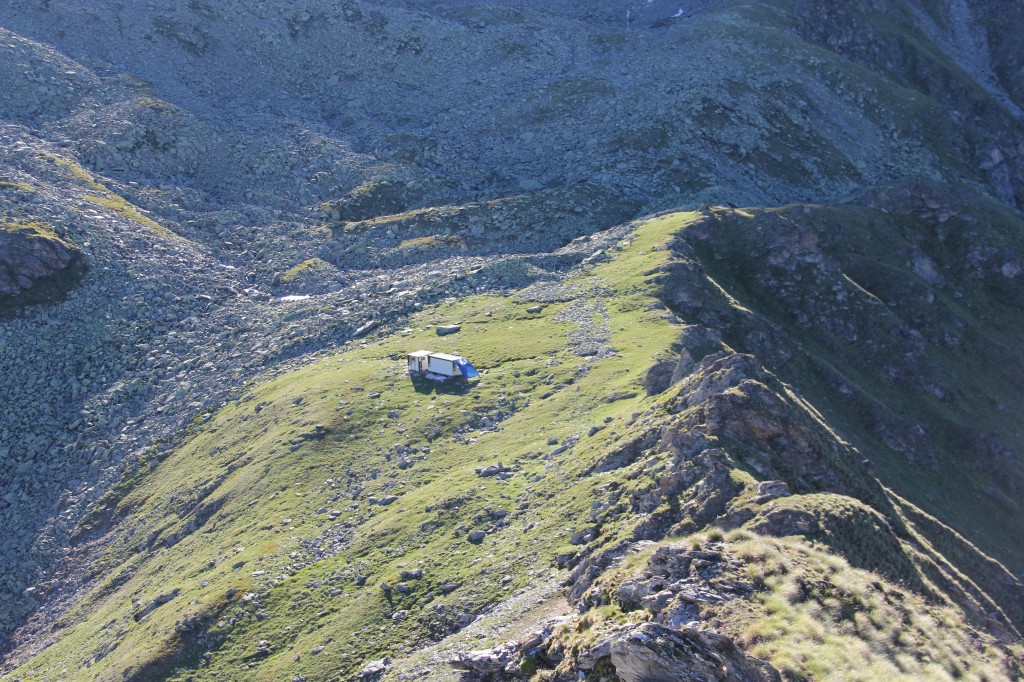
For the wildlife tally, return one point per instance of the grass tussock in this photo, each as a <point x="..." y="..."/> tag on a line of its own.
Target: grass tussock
<point x="30" y="228"/>
<point x="816" y="617"/>
<point x="432" y="242"/>
<point x="308" y="267"/>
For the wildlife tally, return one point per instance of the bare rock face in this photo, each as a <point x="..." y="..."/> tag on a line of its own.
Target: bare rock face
<point x="491" y="665"/>
<point x="655" y="653"/>
<point x="676" y="581"/>
<point x="27" y="253"/>
<point x="648" y="652"/>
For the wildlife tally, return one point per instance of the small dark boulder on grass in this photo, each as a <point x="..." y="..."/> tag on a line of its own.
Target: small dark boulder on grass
<point x="659" y="377"/>
<point x="446" y="329"/>
<point x="491" y="470"/>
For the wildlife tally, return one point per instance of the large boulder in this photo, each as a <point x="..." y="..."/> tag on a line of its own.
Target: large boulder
<point x="655" y="653"/>
<point x="446" y="329"/>
<point x="500" y="664"/>
<point x="29" y="252"/>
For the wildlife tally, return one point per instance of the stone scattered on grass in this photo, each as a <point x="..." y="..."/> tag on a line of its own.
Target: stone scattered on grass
<point x="491" y="470"/>
<point x="373" y="670"/>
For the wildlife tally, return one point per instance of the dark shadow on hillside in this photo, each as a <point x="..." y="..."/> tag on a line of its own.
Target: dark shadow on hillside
<point x="450" y="387"/>
<point x="46" y="291"/>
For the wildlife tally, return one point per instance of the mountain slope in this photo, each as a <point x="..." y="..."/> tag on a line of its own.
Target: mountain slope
<point x="241" y="190"/>
<point x="340" y="498"/>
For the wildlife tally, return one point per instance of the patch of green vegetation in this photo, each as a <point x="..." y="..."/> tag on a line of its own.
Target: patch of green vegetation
<point x="74" y="170"/>
<point x="19" y="185"/>
<point x="816" y="617"/>
<point x="31" y="228"/>
<point x="123" y="207"/>
<point x="741" y="478"/>
<point x="108" y="199"/>
<point x="806" y="611"/>
<point x="857" y="533"/>
<point x="432" y="242"/>
<point x="420" y="217"/>
<point x="154" y="104"/>
<point x="382" y="193"/>
<point x="310" y="266"/>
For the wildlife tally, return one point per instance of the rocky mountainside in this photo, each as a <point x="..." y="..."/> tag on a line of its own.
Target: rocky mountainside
<point x="779" y="441"/>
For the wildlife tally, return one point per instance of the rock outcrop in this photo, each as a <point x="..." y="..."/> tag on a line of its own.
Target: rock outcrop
<point x="29" y="252"/>
<point x="655" y="653"/>
<point x="503" y="662"/>
<point x="647" y="652"/>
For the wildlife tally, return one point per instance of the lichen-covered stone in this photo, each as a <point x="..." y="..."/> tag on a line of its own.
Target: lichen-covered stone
<point x="28" y="253"/>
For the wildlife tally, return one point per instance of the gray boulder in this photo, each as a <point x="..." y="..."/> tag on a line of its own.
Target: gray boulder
<point x="28" y="253"/>
<point x="491" y="470"/>
<point x="771" y="490"/>
<point x="373" y="671"/>
<point x="655" y="653"/>
<point x="499" y="663"/>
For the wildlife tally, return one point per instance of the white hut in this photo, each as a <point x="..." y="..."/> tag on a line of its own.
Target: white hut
<point x="440" y="366"/>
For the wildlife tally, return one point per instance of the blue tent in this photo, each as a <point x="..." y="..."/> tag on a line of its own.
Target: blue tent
<point x="467" y="368"/>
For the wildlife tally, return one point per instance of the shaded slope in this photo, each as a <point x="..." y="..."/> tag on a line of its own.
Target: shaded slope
<point x="899" y="318"/>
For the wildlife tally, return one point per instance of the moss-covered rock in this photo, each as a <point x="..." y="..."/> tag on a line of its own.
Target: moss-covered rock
<point x="30" y="251"/>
